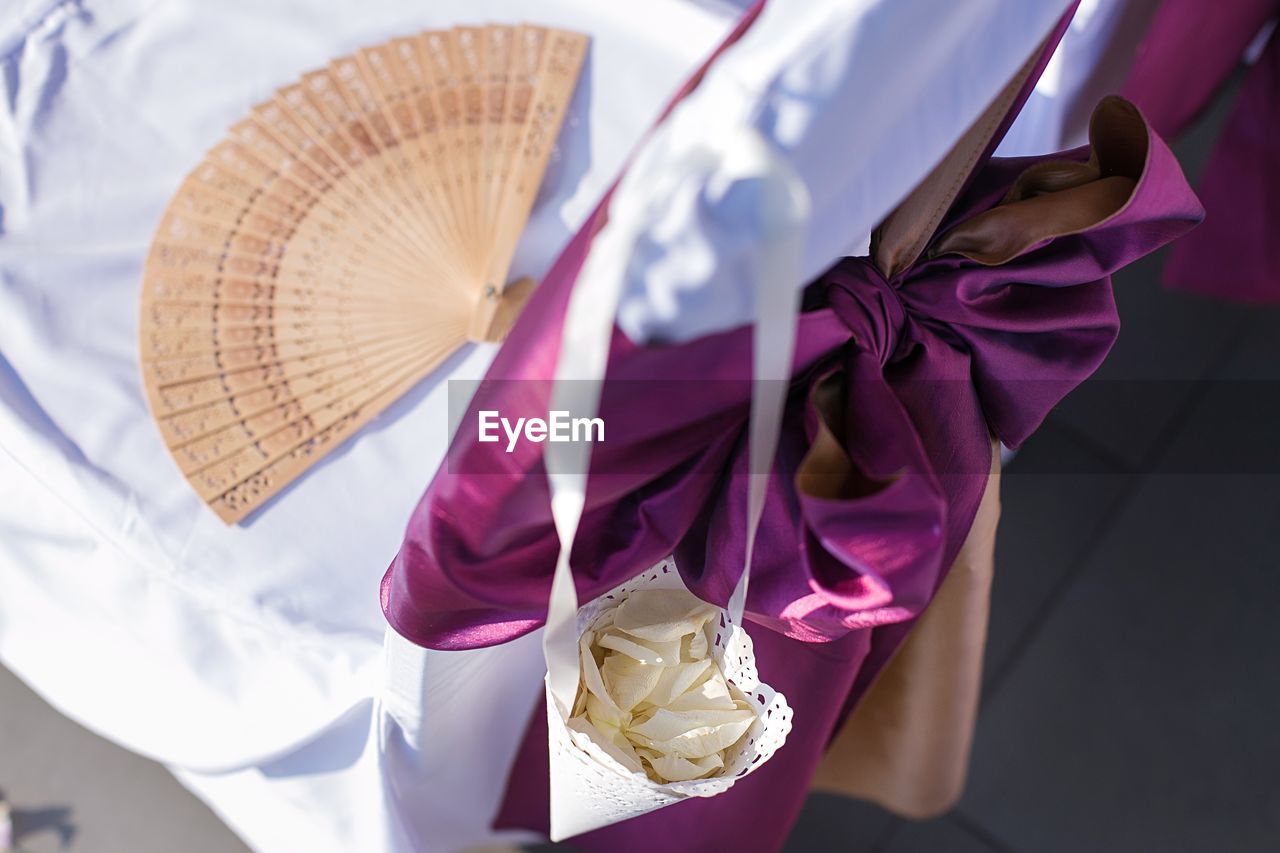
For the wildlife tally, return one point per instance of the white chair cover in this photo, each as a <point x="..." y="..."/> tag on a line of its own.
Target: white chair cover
<point x="251" y="659"/>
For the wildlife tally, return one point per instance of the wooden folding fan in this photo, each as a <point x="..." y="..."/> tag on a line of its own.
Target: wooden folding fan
<point x="341" y="242"/>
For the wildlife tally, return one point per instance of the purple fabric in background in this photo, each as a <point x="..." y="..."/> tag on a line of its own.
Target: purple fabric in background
<point x="1189" y="53"/>
<point x="930" y="364"/>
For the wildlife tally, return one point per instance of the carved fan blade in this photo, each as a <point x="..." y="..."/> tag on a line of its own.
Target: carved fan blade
<point x="344" y="239"/>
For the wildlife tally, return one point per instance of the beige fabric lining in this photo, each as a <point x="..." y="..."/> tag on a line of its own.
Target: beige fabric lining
<point x="906" y="745"/>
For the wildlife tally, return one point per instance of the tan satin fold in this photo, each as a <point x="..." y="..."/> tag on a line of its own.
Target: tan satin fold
<point x="906" y="745"/>
<point x="1057" y="198"/>
<point x="901" y="238"/>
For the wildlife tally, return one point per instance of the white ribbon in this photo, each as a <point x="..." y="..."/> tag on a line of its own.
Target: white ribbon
<point x="748" y="183"/>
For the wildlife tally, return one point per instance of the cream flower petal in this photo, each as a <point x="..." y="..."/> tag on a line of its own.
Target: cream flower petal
<point x="673" y="768"/>
<point x="616" y="746"/>
<point x="691" y="734"/>
<point x="662" y="615"/>
<point x="711" y="695"/>
<point x="663" y="725"/>
<point x="594" y="682"/>
<point x="698" y="645"/>
<point x="652" y="695"/>
<point x="629" y="681"/>
<point x="699" y="743"/>
<point x="675" y="680"/>
<point x="605" y="714"/>
<point x="665" y="653"/>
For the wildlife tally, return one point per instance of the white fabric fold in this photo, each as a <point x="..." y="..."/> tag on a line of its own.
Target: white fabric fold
<point x="861" y="97"/>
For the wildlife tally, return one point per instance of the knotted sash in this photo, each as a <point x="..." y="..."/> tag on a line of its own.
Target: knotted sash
<point x="898" y="381"/>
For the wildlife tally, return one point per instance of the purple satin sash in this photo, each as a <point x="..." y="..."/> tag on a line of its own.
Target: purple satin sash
<point x="927" y="366"/>
<point x="933" y="362"/>
<point x="1190" y="51"/>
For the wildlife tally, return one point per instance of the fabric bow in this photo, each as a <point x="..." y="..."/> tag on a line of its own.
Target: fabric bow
<point x="1190" y="53"/>
<point x="900" y="378"/>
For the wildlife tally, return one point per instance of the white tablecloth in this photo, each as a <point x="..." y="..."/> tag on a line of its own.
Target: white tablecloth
<point x="251" y="659"/>
<point x="123" y="600"/>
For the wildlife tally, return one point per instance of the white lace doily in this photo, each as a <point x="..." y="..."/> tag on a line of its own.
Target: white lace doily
<point x="590" y="789"/>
